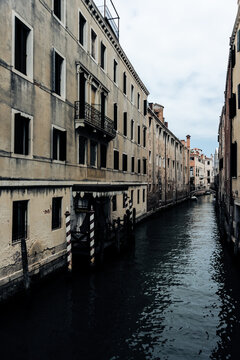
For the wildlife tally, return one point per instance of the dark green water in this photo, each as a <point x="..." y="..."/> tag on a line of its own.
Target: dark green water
<point x="175" y="296"/>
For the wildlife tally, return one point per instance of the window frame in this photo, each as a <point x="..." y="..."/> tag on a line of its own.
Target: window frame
<point x="62" y="94"/>
<point x="85" y="30"/>
<point x="85" y="150"/>
<point x="95" y="57"/>
<point x="115" y="151"/>
<point x="103" y="56"/>
<point x="59" y="129"/>
<point x="30" y="135"/>
<point x="29" y="49"/>
<point x="62" y="21"/>
<point x="95" y="165"/>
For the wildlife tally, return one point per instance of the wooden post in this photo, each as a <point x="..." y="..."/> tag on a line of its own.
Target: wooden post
<point x="68" y="240"/>
<point x="118" y="235"/>
<point x="26" y="279"/>
<point x="134" y="218"/>
<point x="92" y="238"/>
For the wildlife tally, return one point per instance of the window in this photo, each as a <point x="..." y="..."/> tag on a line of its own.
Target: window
<point x="58" y="9"/>
<point x="19" y="220"/>
<point x="115" y="64"/>
<point x="150" y="157"/>
<point x="144" y="136"/>
<point x="132" y="129"/>
<point x="124" y="162"/>
<point x="145" y="107"/>
<point x="93" y="44"/>
<point x="144" y="166"/>
<point x="124" y="83"/>
<point x="82" y="150"/>
<point x="125" y="123"/>
<point x="138" y="101"/>
<point x="82" y="95"/>
<point x="21" y="134"/>
<point x="115" y="115"/>
<point x="232" y="106"/>
<point x="238" y="96"/>
<point x="114" y="203"/>
<point x="138" y="196"/>
<point x="139" y="166"/>
<point x="234" y="159"/>
<point x="59" y="144"/>
<point x="139" y="137"/>
<point x="103" y="156"/>
<point x="58" y="74"/>
<point x="208" y="173"/>
<point x="116" y="160"/>
<point x="103" y="56"/>
<point x="93" y="153"/>
<point x="56" y="213"/>
<point x="132" y="93"/>
<point x="23" y="48"/>
<point x="150" y="123"/>
<point x="132" y="164"/>
<point x="143" y="195"/>
<point x="82" y="29"/>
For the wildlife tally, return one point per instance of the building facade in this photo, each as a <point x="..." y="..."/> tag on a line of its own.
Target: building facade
<point x="73" y="129"/>
<point x="228" y="152"/>
<point x="168" y="162"/>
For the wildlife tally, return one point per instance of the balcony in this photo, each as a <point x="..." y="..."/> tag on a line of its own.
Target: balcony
<point x="88" y="116"/>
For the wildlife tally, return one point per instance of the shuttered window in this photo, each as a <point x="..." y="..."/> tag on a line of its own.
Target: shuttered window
<point x="115" y="116"/>
<point x="124" y="162"/>
<point x="103" y="156"/>
<point x="238" y="40"/>
<point x="145" y="107"/>
<point x="116" y="160"/>
<point x="232" y="106"/>
<point x="82" y="150"/>
<point x="234" y="159"/>
<point x="125" y="123"/>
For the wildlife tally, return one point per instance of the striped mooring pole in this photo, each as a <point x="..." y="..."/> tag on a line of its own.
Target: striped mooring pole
<point x="92" y="237"/>
<point x="68" y="239"/>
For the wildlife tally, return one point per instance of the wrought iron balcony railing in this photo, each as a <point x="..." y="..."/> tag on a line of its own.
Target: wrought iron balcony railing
<point x="88" y="115"/>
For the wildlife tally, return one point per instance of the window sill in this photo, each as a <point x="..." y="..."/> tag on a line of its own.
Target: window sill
<point x="62" y="162"/>
<point x="21" y="156"/>
<point x="26" y="77"/>
<point x="60" y="97"/>
<point x="58" y="20"/>
<point x="17" y="242"/>
<point x="55" y="229"/>
<point x="84" y="47"/>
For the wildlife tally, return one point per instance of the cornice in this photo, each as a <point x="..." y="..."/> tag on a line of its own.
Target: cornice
<point x="95" y="13"/>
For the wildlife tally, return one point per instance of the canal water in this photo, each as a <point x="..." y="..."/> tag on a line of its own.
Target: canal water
<point x="174" y="296"/>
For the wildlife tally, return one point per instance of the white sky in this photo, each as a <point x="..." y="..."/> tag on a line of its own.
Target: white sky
<point x="179" y="48"/>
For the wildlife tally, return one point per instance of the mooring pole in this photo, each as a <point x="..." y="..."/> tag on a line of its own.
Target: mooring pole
<point x="92" y="237"/>
<point x="68" y="239"/>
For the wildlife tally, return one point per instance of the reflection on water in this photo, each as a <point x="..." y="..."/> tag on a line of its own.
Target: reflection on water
<point x="175" y="296"/>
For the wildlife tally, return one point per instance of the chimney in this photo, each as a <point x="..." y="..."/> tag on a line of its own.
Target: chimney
<point x="189" y="137"/>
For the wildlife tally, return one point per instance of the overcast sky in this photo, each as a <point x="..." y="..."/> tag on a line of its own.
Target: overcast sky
<point x="179" y="48"/>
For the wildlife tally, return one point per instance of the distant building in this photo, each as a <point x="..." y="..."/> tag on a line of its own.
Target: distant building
<point x="168" y="162"/>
